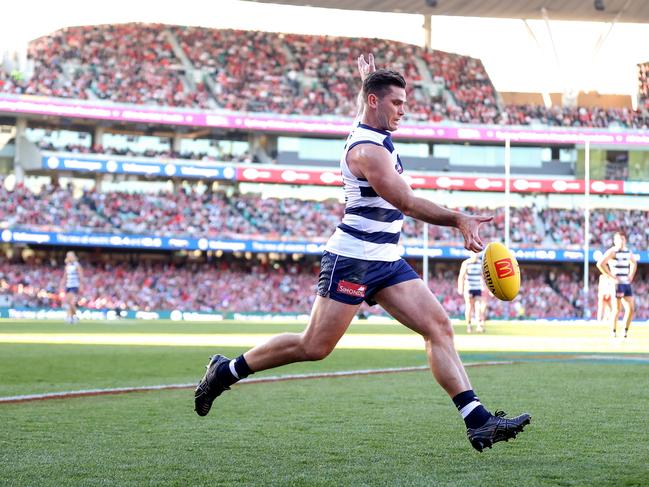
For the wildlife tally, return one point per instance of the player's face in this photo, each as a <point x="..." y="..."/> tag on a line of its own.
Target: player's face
<point x="619" y="240"/>
<point x="391" y="108"/>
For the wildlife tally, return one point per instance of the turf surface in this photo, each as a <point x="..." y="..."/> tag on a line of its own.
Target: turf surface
<point x="589" y="420"/>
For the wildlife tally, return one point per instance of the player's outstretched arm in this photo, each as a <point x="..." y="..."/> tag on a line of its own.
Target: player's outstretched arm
<point x="374" y="164"/>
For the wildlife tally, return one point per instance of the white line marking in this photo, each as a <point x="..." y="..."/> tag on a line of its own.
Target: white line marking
<point x="258" y="380"/>
<point x="612" y="357"/>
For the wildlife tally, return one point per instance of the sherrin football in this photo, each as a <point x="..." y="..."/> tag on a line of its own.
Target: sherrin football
<point x="500" y="271"/>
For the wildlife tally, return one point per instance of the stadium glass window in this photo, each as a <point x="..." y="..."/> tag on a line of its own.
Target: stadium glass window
<point x="412" y="150"/>
<point x="58" y="139"/>
<point x="527" y="156"/>
<point x="443" y="151"/>
<point x="567" y="155"/>
<point x="330" y="149"/>
<point x="214" y="148"/>
<point x="307" y="148"/>
<point x="492" y="156"/>
<point x="135" y="143"/>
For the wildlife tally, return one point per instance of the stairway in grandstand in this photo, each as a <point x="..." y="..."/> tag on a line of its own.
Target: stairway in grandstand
<point x="549" y="280"/>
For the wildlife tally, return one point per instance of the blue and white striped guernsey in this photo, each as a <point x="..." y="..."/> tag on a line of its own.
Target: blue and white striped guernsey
<point x="371" y="227"/>
<point x="620" y="265"/>
<point x="473" y="277"/>
<point x="72" y="275"/>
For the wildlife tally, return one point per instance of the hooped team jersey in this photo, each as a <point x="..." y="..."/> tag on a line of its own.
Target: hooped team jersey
<point x="72" y="275"/>
<point x="620" y="265"/>
<point x="473" y="276"/>
<point x="371" y="226"/>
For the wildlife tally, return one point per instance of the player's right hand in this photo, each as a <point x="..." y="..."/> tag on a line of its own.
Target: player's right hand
<point x="468" y="226"/>
<point x="366" y="67"/>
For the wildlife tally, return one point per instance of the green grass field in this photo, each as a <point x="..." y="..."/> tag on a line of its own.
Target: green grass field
<point x="587" y="395"/>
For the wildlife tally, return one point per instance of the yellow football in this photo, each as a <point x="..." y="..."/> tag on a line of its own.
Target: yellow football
<point x="500" y="271"/>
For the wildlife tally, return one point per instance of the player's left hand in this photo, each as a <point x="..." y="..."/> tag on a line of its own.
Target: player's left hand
<point x="469" y="226"/>
<point x="366" y="67"/>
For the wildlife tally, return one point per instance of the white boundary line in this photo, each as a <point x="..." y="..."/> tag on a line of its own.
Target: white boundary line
<point x="641" y="358"/>
<point x="259" y="380"/>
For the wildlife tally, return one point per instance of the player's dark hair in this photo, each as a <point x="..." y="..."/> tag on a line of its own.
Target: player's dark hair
<point x="380" y="81"/>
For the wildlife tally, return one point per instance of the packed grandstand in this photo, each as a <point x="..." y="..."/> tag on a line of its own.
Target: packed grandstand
<point x="229" y="71"/>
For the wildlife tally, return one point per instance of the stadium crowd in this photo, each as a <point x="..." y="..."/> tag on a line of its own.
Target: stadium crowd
<point x="225" y="285"/>
<point x="156" y="286"/>
<point x="128" y="63"/>
<point x="257" y="71"/>
<point x="574" y="117"/>
<point x="473" y="95"/>
<point x="643" y="80"/>
<point x="224" y="214"/>
<point x="565" y="227"/>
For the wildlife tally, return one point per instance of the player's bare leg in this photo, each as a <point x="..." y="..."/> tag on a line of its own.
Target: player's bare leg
<point x="482" y="311"/>
<point x="600" y="309"/>
<point x="71" y="301"/>
<point x="605" y="308"/>
<point x="468" y="312"/>
<point x="328" y="322"/>
<point x="628" y="305"/>
<point x="617" y="307"/>
<point x="414" y="305"/>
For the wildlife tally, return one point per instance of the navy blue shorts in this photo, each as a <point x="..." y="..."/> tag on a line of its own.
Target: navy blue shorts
<point x="74" y="290"/>
<point x="475" y="293"/>
<point x="352" y="281"/>
<point x="623" y="290"/>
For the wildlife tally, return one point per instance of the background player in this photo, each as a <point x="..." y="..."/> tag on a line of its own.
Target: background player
<point x="362" y="263"/>
<point x="605" y="293"/>
<point x="72" y="282"/>
<point x="619" y="263"/>
<point x="471" y="285"/>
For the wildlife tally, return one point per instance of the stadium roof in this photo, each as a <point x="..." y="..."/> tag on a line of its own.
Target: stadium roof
<point x="628" y="10"/>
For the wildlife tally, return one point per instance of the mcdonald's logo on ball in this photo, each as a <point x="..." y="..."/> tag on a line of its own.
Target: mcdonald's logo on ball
<point x="500" y="271"/>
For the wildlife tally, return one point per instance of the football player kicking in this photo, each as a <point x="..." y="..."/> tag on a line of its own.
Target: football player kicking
<point x="361" y="262"/>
